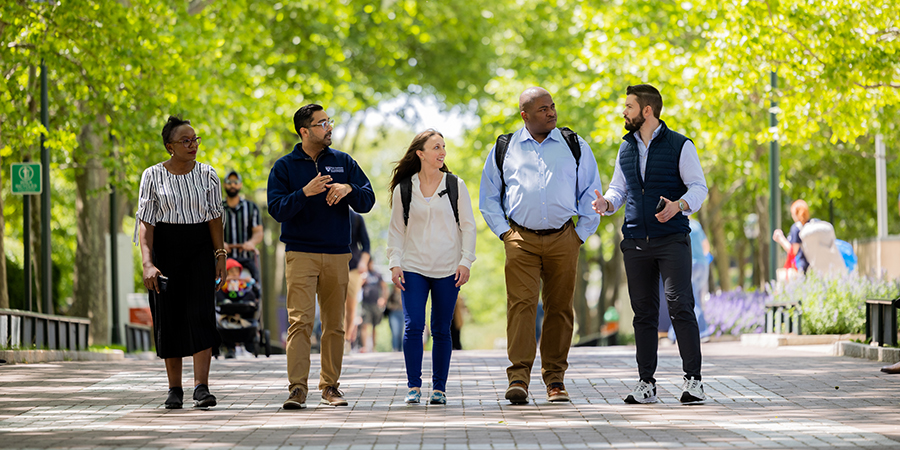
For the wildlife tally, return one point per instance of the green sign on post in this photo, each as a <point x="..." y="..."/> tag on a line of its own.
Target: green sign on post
<point x="26" y="178"/>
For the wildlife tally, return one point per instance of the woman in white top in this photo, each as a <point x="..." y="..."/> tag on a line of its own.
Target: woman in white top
<point x="429" y="250"/>
<point x="179" y="228"/>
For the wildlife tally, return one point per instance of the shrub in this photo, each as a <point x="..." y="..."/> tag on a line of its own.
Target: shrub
<point x="736" y="312"/>
<point x="834" y="305"/>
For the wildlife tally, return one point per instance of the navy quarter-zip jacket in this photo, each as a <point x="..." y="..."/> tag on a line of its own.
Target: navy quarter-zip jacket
<point x="308" y="224"/>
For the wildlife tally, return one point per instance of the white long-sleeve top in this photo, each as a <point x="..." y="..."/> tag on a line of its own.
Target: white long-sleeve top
<point x="431" y="244"/>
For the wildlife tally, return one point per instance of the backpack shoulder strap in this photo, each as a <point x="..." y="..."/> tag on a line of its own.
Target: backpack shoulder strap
<point x="571" y="138"/>
<point x="499" y="155"/>
<point x="406" y="197"/>
<point x="452" y="186"/>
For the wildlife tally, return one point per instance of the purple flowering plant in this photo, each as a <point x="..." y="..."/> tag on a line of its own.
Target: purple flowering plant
<point x="736" y="312"/>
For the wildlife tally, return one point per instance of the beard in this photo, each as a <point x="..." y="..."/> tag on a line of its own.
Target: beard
<point x="634" y="124"/>
<point x="232" y="192"/>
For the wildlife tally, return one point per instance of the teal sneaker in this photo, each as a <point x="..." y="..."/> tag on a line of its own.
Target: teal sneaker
<point x="413" y="395"/>
<point x="438" y="398"/>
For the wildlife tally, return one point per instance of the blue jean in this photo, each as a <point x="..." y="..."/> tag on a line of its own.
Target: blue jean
<point x="443" y="301"/>
<point x="395" y="319"/>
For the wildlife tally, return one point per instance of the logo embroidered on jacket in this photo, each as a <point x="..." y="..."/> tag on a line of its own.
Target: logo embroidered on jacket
<point x="334" y="169"/>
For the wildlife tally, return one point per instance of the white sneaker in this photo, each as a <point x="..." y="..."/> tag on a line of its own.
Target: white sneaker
<point x="692" y="391"/>
<point x="643" y="393"/>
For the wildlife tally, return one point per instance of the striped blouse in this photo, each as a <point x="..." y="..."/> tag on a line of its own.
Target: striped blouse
<point x="194" y="197"/>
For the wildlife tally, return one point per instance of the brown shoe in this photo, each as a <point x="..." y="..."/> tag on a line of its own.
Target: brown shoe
<point x="556" y="392"/>
<point x="517" y="393"/>
<point x="297" y="400"/>
<point x="332" y="396"/>
<point x="895" y="368"/>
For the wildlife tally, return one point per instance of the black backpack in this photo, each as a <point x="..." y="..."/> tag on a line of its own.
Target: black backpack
<point x="451" y="188"/>
<point x="502" y="145"/>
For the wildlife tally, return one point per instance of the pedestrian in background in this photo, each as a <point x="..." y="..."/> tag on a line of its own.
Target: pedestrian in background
<point x="179" y="229"/>
<point x="243" y="232"/>
<point x="792" y="244"/>
<point x="310" y="192"/>
<point x="359" y="266"/>
<point x="659" y="179"/>
<point x="431" y="247"/>
<point x="534" y="182"/>
<point x="374" y="299"/>
<point x="394" y="312"/>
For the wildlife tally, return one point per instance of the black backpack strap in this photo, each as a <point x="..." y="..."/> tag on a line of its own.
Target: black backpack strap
<point x="406" y="197"/>
<point x="499" y="155"/>
<point x="452" y="186"/>
<point x="574" y="146"/>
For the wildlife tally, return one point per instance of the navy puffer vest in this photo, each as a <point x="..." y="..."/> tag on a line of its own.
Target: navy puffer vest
<point x="661" y="178"/>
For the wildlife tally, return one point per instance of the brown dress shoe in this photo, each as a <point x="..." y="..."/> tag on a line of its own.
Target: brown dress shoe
<point x="556" y="392"/>
<point x="895" y="368"/>
<point x="332" y="396"/>
<point x="517" y="393"/>
<point x="297" y="400"/>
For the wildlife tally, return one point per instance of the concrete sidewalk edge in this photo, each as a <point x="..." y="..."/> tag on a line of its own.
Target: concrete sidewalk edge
<point x="43" y="356"/>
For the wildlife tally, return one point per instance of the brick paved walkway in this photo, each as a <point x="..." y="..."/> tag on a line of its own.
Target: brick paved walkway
<point x="759" y="398"/>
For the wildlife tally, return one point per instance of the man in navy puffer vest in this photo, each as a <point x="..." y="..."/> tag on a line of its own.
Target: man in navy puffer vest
<point x="659" y="180"/>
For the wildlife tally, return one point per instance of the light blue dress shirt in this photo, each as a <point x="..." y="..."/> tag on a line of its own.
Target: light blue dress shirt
<point x="688" y="167"/>
<point x="541" y="191"/>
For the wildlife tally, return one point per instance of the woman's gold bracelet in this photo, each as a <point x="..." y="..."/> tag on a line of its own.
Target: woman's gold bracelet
<point x="221" y="252"/>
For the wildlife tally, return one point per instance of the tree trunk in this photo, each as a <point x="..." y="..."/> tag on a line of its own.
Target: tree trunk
<point x="36" y="252"/>
<point x="583" y="314"/>
<point x="92" y="209"/>
<point x="717" y="232"/>
<point x="4" y="291"/>
<point x="741" y="257"/>
<point x="611" y="271"/>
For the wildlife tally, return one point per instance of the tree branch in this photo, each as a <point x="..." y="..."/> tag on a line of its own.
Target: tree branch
<point x="197" y="6"/>
<point x="878" y="86"/>
<point x="792" y="35"/>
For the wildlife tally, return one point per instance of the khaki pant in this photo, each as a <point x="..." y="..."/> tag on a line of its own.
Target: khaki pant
<point x="530" y="260"/>
<point x="353" y="287"/>
<point x="309" y="274"/>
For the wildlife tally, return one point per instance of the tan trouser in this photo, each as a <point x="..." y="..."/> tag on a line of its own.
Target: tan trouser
<point x="353" y="287"/>
<point x="530" y="259"/>
<point x="309" y="274"/>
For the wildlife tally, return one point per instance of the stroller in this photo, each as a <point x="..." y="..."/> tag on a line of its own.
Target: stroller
<point x="238" y="309"/>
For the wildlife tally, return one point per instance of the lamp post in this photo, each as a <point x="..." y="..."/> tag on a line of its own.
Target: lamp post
<point x="751" y="231"/>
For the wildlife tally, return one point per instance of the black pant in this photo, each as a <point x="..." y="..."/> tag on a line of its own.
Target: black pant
<point x="645" y="261"/>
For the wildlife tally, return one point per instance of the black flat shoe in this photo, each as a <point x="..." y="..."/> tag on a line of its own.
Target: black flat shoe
<point x="175" y="398"/>
<point x="202" y="397"/>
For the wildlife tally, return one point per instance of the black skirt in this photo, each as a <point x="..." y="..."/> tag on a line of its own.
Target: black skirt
<point x="184" y="317"/>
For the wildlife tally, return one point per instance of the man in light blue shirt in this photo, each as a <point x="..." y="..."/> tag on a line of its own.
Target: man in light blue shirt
<point x="545" y="177"/>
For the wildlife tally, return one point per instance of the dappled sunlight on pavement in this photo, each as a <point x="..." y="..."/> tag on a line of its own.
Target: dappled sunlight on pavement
<point x="758" y="398"/>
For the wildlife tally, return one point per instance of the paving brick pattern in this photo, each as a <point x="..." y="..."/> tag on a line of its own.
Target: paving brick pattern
<point x="782" y="398"/>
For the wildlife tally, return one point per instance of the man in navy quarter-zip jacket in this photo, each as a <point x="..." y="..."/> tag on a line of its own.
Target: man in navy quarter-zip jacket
<point x="659" y="180"/>
<point x="310" y="192"/>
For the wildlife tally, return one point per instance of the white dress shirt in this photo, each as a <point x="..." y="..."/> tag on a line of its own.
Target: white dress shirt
<point x="432" y="244"/>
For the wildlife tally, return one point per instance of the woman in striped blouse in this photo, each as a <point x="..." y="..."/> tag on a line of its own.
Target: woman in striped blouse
<point x="179" y="229"/>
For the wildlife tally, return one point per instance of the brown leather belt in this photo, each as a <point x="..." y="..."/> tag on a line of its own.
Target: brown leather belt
<point x="541" y="232"/>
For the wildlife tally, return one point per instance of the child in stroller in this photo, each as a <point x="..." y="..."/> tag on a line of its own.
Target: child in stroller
<point x="238" y="309"/>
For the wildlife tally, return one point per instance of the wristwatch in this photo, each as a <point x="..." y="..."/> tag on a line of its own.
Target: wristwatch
<point x="682" y="205"/>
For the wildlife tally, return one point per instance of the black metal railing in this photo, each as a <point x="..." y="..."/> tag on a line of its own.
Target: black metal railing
<point x="27" y="330"/>
<point x="138" y="338"/>
<point x="881" y="322"/>
<point x="783" y="318"/>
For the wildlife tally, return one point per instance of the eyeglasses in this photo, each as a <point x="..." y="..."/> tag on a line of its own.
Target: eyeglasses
<point x="232" y="182"/>
<point x="187" y="142"/>
<point x="325" y="124"/>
